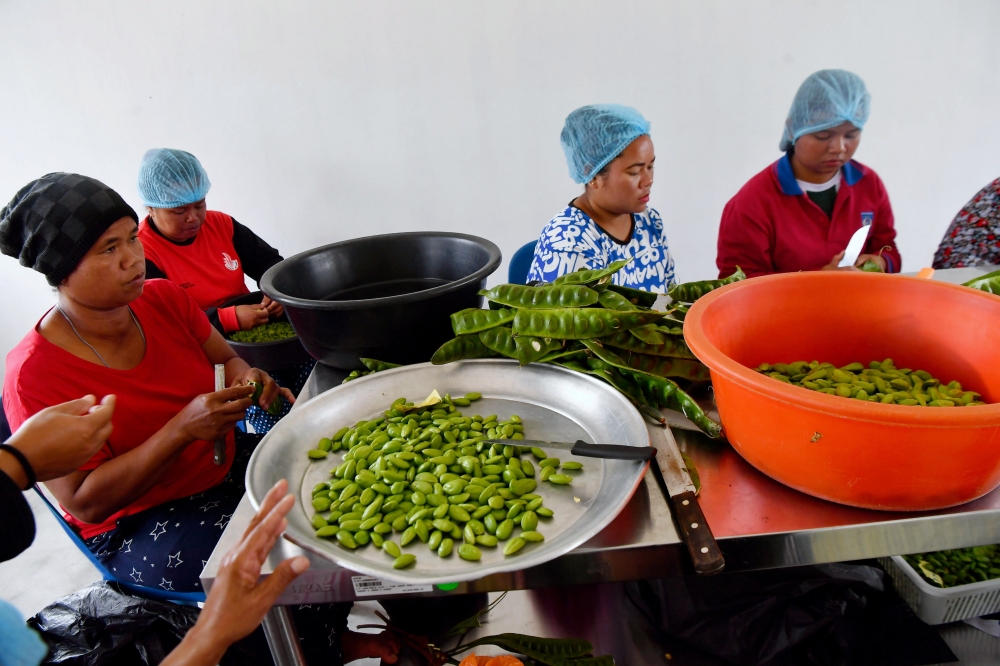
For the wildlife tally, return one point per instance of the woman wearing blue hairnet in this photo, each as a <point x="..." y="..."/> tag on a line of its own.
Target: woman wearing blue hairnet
<point x="799" y="213"/>
<point x="609" y="151"/>
<point x="208" y="253"/>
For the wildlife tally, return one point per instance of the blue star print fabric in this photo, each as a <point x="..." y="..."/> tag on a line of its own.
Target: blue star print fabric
<point x="572" y="241"/>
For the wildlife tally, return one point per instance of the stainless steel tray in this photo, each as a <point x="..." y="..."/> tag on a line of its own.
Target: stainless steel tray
<point x="555" y="404"/>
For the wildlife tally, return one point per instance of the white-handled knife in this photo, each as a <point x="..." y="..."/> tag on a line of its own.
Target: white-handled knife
<point x="220" y="444"/>
<point x="855" y="245"/>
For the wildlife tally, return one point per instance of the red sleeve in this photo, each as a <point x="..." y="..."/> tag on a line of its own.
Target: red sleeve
<point x="883" y="233"/>
<point x="227" y="317"/>
<point x="745" y="240"/>
<point x="22" y="400"/>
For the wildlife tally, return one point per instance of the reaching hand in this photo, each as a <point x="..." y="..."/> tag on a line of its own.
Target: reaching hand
<point x="271" y="389"/>
<point x="834" y="264"/>
<point x="238" y="600"/>
<point x="251" y="316"/>
<point x="877" y="258"/>
<point x="274" y="308"/>
<point x="211" y="415"/>
<point x="61" y="438"/>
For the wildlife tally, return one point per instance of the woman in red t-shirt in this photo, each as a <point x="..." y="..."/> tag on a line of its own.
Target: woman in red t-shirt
<point x="148" y="343"/>
<point x="151" y="505"/>
<point x="207" y="253"/>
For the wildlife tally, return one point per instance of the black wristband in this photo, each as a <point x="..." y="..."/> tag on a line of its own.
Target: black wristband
<point x="25" y="465"/>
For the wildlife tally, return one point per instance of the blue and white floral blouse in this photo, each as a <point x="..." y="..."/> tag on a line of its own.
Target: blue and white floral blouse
<point x="571" y="241"/>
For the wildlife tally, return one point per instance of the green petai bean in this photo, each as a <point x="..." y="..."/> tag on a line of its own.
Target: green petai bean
<point x="513" y="546"/>
<point x="404" y="560"/>
<point x="462" y="347"/>
<point x="643" y="299"/>
<point x="499" y="340"/>
<point x="475" y="320"/>
<point x="612" y="300"/>
<point x="579" y="324"/>
<point x="546" y="296"/>
<point x="689" y="292"/>
<point x="592" y="275"/>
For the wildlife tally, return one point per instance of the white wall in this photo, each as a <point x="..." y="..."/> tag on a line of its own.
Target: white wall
<point x="320" y="121"/>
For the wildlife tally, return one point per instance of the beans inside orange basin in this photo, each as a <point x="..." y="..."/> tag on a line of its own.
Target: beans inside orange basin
<point x="865" y="454"/>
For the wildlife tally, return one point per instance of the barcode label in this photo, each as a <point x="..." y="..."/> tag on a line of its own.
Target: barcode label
<point x="366" y="586"/>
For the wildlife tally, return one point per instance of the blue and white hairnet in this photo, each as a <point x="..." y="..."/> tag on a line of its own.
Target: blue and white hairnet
<point x="824" y="100"/>
<point x="169" y="178"/>
<point x="596" y="134"/>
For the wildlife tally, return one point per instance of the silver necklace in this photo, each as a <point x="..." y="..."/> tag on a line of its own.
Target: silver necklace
<point x="97" y="353"/>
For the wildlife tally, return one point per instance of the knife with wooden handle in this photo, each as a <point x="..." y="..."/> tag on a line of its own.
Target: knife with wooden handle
<point x="697" y="536"/>
<point x="220" y="444"/>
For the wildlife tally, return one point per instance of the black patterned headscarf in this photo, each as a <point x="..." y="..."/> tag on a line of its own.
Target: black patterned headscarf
<point x="52" y="222"/>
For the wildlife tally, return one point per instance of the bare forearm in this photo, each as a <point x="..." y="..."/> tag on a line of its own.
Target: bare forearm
<point x="119" y="482"/>
<point x="11" y="466"/>
<point x="197" y="649"/>
<point x="234" y="368"/>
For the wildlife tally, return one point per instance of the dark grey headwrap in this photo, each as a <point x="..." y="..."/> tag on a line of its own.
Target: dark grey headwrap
<point x="52" y="222"/>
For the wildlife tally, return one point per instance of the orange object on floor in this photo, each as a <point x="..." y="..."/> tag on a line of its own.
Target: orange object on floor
<point x="888" y="457"/>
<point x="473" y="660"/>
<point x="504" y="660"/>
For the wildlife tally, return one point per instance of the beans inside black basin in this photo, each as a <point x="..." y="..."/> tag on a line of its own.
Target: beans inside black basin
<point x="387" y="297"/>
<point x="268" y="356"/>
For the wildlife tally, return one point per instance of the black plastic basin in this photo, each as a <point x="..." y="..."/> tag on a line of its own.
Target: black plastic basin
<point x="387" y="297"/>
<point x="268" y="356"/>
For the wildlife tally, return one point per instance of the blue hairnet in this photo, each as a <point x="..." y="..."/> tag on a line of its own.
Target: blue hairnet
<point x="824" y="100"/>
<point x="596" y="134"/>
<point x="169" y="178"/>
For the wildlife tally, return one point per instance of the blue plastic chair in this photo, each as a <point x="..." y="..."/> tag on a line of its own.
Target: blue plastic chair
<point x="520" y="263"/>
<point x="186" y="598"/>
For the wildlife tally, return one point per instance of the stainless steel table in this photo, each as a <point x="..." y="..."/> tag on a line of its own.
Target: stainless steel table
<point x="759" y="524"/>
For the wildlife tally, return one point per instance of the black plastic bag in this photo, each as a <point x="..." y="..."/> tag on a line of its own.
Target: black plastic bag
<point x="104" y="625"/>
<point x="828" y="615"/>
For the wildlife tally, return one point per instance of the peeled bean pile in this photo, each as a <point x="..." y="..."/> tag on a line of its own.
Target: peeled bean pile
<point x="880" y="382"/>
<point x="583" y="322"/>
<point x="948" y="568"/>
<point x="279" y="330"/>
<point x="425" y="474"/>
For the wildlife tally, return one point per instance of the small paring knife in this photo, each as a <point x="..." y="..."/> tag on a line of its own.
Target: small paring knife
<point x="582" y="448"/>
<point x="220" y="444"/>
<point x="697" y="535"/>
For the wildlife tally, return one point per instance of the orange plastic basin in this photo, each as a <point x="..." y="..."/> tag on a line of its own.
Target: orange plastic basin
<point x="890" y="457"/>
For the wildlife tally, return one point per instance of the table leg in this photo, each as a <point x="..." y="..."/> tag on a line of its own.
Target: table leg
<point x="282" y="638"/>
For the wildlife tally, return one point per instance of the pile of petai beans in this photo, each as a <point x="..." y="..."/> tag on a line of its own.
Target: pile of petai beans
<point x="427" y="475"/>
<point x="880" y="382"/>
<point x="948" y="568"/>
<point x="583" y="322"/>
<point x="278" y="330"/>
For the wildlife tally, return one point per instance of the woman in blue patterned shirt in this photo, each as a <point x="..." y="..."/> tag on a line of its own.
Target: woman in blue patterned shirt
<point x="608" y="149"/>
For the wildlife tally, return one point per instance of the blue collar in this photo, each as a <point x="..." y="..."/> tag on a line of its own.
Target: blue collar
<point x="851" y="173"/>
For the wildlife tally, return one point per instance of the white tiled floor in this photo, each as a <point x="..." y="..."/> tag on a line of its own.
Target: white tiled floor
<point x="51" y="568"/>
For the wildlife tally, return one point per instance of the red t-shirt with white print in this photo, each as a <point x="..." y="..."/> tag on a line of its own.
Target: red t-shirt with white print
<point x="208" y="269"/>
